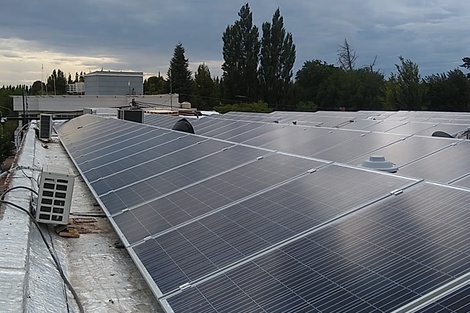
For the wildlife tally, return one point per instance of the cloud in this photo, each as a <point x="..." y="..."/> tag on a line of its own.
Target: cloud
<point x="141" y="35"/>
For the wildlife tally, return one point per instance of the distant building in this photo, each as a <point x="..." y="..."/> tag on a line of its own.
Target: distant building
<point x="114" y="83"/>
<point x="76" y="88"/>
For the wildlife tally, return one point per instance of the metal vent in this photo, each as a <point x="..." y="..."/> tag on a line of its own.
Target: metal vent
<point x="378" y="162"/>
<point x="45" y="126"/>
<point x="55" y="196"/>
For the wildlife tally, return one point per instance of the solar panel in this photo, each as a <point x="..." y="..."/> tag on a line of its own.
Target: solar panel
<point x="243" y="128"/>
<point x="244" y="229"/>
<point x="409" y="149"/>
<point x="359" y="124"/>
<point x="135" y="153"/>
<point x="384" y="126"/>
<point x="457" y="301"/>
<point x="361" y="145"/>
<point x="196" y="200"/>
<point x="451" y="129"/>
<point x="119" y="192"/>
<point x="214" y="228"/>
<point x="243" y="137"/>
<point x="443" y="166"/>
<point x="463" y="182"/>
<point x="160" y="120"/>
<point x="375" y="260"/>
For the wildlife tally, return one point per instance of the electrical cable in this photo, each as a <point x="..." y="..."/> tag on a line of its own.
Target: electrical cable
<point x="51" y="252"/>
<point x="2" y="196"/>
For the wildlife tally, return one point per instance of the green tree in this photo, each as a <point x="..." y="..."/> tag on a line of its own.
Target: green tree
<point x="204" y="88"/>
<point x="276" y="61"/>
<point x="37" y="88"/>
<point x="7" y="128"/>
<point x="361" y="89"/>
<point x="57" y="83"/>
<point x="448" y="91"/>
<point x="180" y="75"/>
<point x="308" y="81"/>
<point x="240" y="52"/>
<point x="155" y="85"/>
<point x="405" y="89"/>
<point x="466" y="64"/>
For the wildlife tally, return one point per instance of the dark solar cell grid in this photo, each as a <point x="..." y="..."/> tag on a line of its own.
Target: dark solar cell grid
<point x="443" y="166"/>
<point x="80" y="128"/>
<point x="165" y="121"/>
<point x="92" y="135"/>
<point x="265" y="220"/>
<point x="162" y="158"/>
<point x="245" y="127"/>
<point x="456" y="302"/>
<point x="376" y="260"/>
<point x="176" y="208"/>
<point x="134" y="193"/>
<point x="139" y="150"/>
<point x="139" y="153"/>
<point x="130" y="140"/>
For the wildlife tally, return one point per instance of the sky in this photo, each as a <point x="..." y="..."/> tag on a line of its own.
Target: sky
<point x="38" y="36"/>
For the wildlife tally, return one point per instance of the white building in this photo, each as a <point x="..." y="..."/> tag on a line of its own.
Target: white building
<point x="114" y="83"/>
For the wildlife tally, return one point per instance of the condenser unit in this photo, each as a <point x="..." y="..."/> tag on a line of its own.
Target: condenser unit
<point x="45" y="126"/>
<point x="131" y="115"/>
<point x="55" y="196"/>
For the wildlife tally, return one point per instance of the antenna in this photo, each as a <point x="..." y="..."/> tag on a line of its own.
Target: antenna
<point x="42" y="79"/>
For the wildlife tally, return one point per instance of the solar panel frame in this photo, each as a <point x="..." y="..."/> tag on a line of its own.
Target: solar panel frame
<point x="246" y="228"/>
<point x="458" y="301"/>
<point x="351" y="265"/>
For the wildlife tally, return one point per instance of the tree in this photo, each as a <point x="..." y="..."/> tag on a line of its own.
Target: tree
<point x="309" y="80"/>
<point x="346" y="56"/>
<point x="205" y="92"/>
<point x="448" y="91"/>
<point x="466" y="64"/>
<point x="57" y="83"/>
<point x="405" y="90"/>
<point x="360" y="89"/>
<point x="240" y="52"/>
<point x="180" y="75"/>
<point x="37" y="88"/>
<point x="276" y="61"/>
<point x="155" y="85"/>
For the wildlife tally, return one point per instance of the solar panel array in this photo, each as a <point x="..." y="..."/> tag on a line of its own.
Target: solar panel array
<point x="253" y="216"/>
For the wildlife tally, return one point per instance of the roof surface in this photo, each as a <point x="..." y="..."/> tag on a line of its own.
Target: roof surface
<point x="269" y="212"/>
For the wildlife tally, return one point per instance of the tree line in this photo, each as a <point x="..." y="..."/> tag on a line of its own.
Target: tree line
<point x="257" y="70"/>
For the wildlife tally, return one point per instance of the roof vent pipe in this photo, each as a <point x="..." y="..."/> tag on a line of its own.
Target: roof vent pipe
<point x="378" y="162"/>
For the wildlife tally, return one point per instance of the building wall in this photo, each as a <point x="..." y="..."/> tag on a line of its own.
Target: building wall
<point x="114" y="83"/>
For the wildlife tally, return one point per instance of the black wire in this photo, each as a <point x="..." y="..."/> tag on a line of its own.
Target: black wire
<point x="17" y="187"/>
<point x="51" y="252"/>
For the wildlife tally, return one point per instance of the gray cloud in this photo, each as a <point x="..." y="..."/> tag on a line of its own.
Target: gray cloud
<point x="141" y="35"/>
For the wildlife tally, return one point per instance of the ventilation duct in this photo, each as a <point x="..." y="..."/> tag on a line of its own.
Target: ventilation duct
<point x="440" y="133"/>
<point x="183" y="125"/>
<point x="378" y="162"/>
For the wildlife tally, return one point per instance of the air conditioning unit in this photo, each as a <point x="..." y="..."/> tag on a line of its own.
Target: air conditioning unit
<point x="45" y="126"/>
<point x="131" y="115"/>
<point x="55" y="196"/>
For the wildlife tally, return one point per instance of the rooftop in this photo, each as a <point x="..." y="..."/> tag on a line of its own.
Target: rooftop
<point x="254" y="212"/>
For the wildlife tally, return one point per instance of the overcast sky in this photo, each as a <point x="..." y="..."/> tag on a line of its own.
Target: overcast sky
<point x="38" y="36"/>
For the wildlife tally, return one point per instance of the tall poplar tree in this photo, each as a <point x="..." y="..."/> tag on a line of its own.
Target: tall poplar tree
<point x="205" y="93"/>
<point x="179" y="74"/>
<point x="240" y="51"/>
<point x="276" y="62"/>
